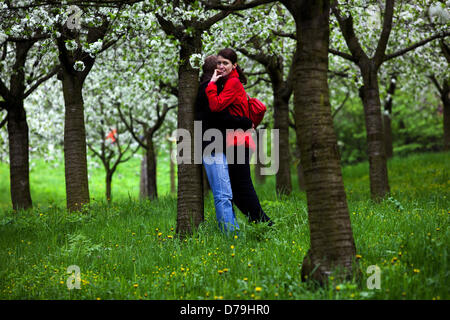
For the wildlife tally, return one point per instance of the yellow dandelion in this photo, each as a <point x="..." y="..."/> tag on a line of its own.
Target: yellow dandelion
<point x="416" y="270"/>
<point x="358" y="256"/>
<point x="258" y="289"/>
<point x="232" y="247"/>
<point x="338" y="288"/>
<point x="135" y="285"/>
<point x="220" y="271"/>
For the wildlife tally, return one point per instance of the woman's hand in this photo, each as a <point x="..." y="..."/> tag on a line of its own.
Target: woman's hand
<point x="215" y="76"/>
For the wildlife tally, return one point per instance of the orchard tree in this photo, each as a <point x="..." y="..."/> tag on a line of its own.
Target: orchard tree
<point x="369" y="61"/>
<point x="274" y="52"/>
<point x="186" y="21"/>
<point x="77" y="47"/>
<point x="443" y="89"/>
<point x="20" y="31"/>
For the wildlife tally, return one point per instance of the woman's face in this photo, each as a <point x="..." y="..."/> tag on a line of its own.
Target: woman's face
<point x="224" y="66"/>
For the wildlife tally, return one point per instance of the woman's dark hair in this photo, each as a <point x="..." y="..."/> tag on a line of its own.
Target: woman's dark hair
<point x="208" y="68"/>
<point x="231" y="55"/>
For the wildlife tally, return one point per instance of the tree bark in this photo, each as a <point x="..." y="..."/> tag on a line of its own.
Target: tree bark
<point x="151" y="169"/>
<point x="281" y="122"/>
<point x="300" y="173"/>
<point x="260" y="179"/>
<point x="190" y="194"/>
<point x="109" y="175"/>
<point x="76" y="173"/>
<point x="172" y="169"/>
<point x="378" y="173"/>
<point x="332" y="244"/>
<point x="143" y="178"/>
<point x="446" y="102"/>
<point x="387" y="128"/>
<point x="18" y="131"/>
<point x="387" y="119"/>
<point x="19" y="157"/>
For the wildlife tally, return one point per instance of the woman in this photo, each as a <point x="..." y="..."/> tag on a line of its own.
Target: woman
<point x="215" y="164"/>
<point x="226" y="91"/>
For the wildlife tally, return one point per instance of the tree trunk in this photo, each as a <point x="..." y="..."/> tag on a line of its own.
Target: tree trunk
<point x="387" y="128"/>
<point x="172" y="169"/>
<point x="300" y="173"/>
<point x="109" y="175"/>
<point x="387" y="119"/>
<point x="143" y="178"/>
<point x="151" y="170"/>
<point x="281" y="122"/>
<point x="190" y="194"/>
<point x="378" y="173"/>
<point x="446" y="101"/>
<point x="18" y="131"/>
<point x="18" y="157"/>
<point x="76" y="173"/>
<point x="332" y="244"/>
<point x="260" y="179"/>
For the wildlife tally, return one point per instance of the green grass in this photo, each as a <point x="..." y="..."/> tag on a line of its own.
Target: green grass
<point x="129" y="249"/>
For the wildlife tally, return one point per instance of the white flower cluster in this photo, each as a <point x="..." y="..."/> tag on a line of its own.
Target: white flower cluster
<point x="71" y="45"/>
<point x="3" y="36"/>
<point x="94" y="48"/>
<point x="79" y="66"/>
<point x="440" y="13"/>
<point x="196" y="60"/>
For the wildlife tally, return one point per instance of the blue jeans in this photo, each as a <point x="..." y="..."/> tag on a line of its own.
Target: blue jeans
<point x="216" y="168"/>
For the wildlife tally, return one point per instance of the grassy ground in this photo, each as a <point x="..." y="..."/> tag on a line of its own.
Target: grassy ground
<point x="129" y="249"/>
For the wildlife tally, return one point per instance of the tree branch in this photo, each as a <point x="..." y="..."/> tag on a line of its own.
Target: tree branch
<point x="416" y="45"/>
<point x="284" y="34"/>
<point x="130" y="127"/>
<point x="341" y="105"/>
<point x="386" y="31"/>
<point x="445" y="50"/>
<point x="346" y="26"/>
<point x="239" y="5"/>
<point x="342" y="55"/>
<point x="436" y="83"/>
<point x="211" y="21"/>
<point x="43" y="79"/>
<point x="259" y="57"/>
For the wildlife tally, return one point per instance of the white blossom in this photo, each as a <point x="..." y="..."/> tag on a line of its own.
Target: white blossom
<point x="79" y="66"/>
<point x="71" y="45"/>
<point x="196" y="60"/>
